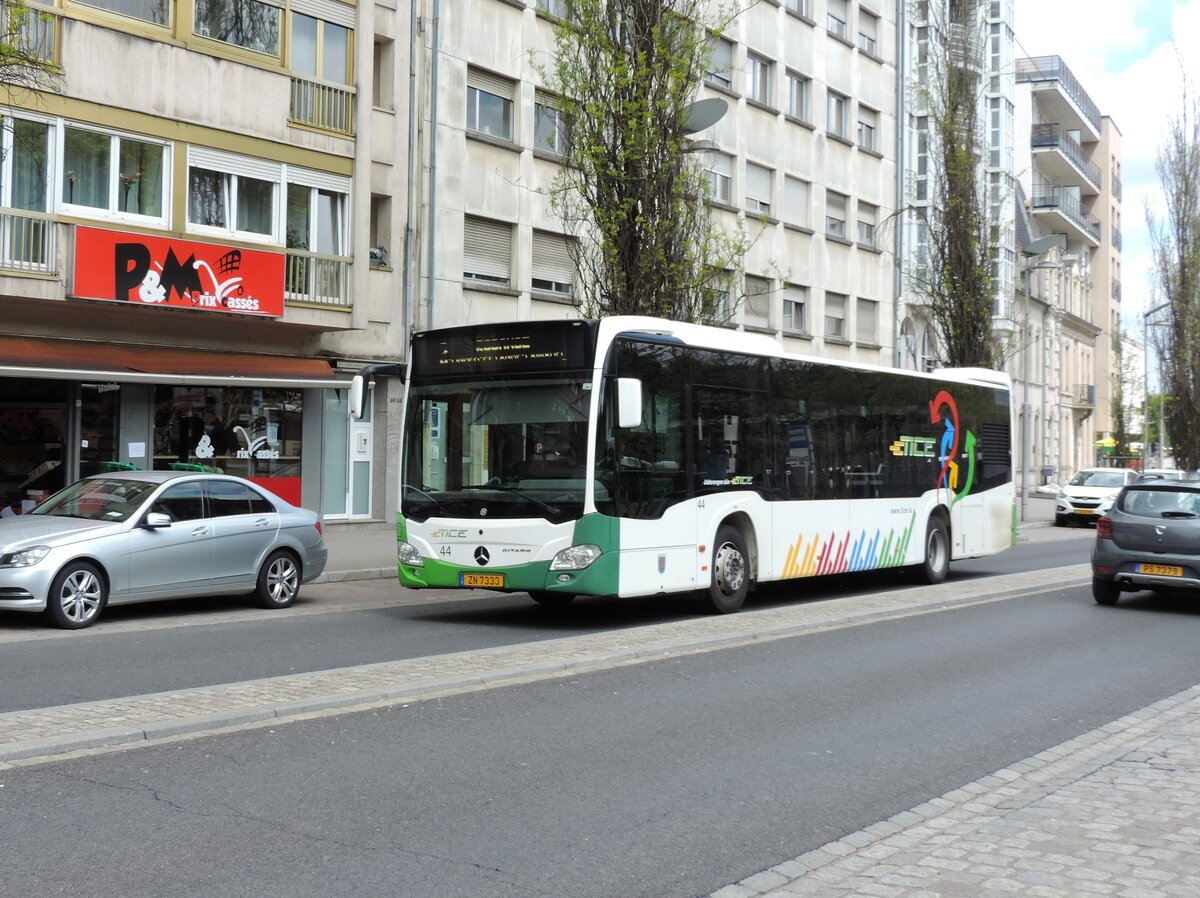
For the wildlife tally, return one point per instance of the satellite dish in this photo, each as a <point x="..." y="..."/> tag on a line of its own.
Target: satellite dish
<point x="703" y="114"/>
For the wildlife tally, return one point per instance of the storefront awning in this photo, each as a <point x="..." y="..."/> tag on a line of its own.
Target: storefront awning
<point x="122" y="363"/>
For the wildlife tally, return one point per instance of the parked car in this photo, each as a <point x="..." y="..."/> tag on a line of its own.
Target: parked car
<point x="138" y="536"/>
<point x="1090" y="493"/>
<point x="1149" y="540"/>
<point x="1167" y="474"/>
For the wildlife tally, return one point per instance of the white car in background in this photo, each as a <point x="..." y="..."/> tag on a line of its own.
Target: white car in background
<point x="1089" y="494"/>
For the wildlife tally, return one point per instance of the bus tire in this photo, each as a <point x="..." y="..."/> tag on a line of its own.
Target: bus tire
<point x="551" y="599"/>
<point x="937" y="552"/>
<point x="730" y="582"/>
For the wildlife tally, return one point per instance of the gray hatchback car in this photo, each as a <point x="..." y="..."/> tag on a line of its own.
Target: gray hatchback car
<point x="1150" y="539"/>
<point x="138" y="536"/>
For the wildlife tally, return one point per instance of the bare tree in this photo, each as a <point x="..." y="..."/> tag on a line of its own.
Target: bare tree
<point x="1175" y="241"/>
<point x="630" y="190"/>
<point x="953" y="279"/>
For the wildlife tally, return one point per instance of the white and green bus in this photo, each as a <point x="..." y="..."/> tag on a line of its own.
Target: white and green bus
<point x="634" y="456"/>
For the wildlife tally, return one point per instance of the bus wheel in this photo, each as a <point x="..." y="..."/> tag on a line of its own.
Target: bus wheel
<point x="730" y="571"/>
<point x="551" y="599"/>
<point x="937" y="552"/>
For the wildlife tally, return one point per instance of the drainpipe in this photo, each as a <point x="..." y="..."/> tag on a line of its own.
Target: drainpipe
<point x="410" y="322"/>
<point x="433" y="142"/>
<point x="901" y="217"/>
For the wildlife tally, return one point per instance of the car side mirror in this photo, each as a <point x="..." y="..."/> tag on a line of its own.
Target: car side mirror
<point x="156" y="519"/>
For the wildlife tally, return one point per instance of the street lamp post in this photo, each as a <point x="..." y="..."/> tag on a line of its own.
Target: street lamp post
<point x="1146" y="388"/>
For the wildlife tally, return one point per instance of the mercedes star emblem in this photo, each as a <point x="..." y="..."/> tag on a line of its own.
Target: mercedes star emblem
<point x="481" y="555"/>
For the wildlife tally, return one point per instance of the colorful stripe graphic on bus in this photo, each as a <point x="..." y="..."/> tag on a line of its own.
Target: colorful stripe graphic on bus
<point x="868" y="552"/>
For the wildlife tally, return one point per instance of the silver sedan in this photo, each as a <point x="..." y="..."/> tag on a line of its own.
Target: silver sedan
<point x="139" y="536"/>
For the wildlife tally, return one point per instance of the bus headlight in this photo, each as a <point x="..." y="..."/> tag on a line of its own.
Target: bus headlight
<point x="576" y="558"/>
<point x="408" y="554"/>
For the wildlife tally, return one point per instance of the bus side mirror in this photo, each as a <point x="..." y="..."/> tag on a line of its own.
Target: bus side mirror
<point x="357" y="389"/>
<point x="629" y="402"/>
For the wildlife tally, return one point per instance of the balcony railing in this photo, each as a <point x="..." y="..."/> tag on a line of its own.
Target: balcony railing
<point x="1084" y="395"/>
<point x="1050" y="135"/>
<point x="1068" y="205"/>
<point x="1116" y="289"/>
<point x="27" y="242"/>
<point x="35" y="33"/>
<point x="1052" y="68"/>
<point x="322" y="105"/>
<point x="1116" y="237"/>
<point x="1116" y="187"/>
<point x="317" y="279"/>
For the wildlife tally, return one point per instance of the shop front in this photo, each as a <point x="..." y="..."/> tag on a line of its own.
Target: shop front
<point x="102" y="407"/>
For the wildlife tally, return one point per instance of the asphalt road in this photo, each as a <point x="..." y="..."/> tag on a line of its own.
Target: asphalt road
<point x="141" y="649"/>
<point x="666" y="780"/>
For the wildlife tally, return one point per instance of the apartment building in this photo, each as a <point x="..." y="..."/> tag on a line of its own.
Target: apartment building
<point x="183" y="229"/>
<point x="1069" y="172"/>
<point x="802" y="160"/>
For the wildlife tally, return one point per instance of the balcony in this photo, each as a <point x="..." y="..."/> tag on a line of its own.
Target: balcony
<point x="317" y="279"/>
<point x="1116" y="289"/>
<point x="1116" y="238"/>
<point x="1060" y="94"/>
<point x="27" y="242"/>
<point x="35" y="33"/>
<point x="1062" y="159"/>
<point x="322" y="105"/>
<point x="1063" y="213"/>
<point x="1083" y="396"/>
<point x="964" y="45"/>
<point x="1116" y="187"/>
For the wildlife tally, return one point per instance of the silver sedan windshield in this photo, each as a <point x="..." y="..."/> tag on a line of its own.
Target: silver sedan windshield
<point x="98" y="499"/>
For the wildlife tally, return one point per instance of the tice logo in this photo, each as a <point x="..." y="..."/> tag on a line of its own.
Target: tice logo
<point x="920" y="447"/>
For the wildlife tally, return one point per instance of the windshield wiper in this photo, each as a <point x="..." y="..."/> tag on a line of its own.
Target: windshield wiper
<point x="544" y="506"/>
<point x="435" y="504"/>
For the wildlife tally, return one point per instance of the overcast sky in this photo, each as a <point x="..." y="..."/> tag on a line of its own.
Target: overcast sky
<point x="1130" y="56"/>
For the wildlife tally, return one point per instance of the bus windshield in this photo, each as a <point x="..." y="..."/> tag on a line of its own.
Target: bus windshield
<point x="506" y="448"/>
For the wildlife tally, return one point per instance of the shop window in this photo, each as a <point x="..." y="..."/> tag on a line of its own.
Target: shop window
<point x="250" y="432"/>
<point x="33" y="428"/>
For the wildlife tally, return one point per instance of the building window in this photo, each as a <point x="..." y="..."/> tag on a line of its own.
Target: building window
<point x="487" y="251"/>
<point x="868" y="31"/>
<point x="868" y="215"/>
<point x="231" y="196"/>
<point x="718" y="168"/>
<point x="756" y="310"/>
<point x="553" y="268"/>
<point x="244" y="23"/>
<point x="758" y="72"/>
<point x="549" y="127"/>
<point x="157" y="12"/>
<point x="114" y="174"/>
<point x="837" y="18"/>
<point x="836" y="114"/>
<point x="381" y="230"/>
<point x="866" y="328"/>
<point x="320" y="49"/>
<point x="798" y="88"/>
<point x="794" y="300"/>
<point x="795" y="201"/>
<point x="868" y="127"/>
<point x="318" y="236"/>
<point x="720" y="63"/>
<point x="383" y="77"/>
<point x="557" y="9"/>
<point x="758" y="188"/>
<point x="835" y="214"/>
<point x="489" y="104"/>
<point x="835" y="316"/>
<point x="801" y="7"/>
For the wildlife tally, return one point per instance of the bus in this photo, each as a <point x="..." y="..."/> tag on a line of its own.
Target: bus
<point x="633" y="456"/>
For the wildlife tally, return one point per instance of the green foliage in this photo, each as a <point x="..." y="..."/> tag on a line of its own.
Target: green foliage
<point x="624" y="74"/>
<point x="27" y="49"/>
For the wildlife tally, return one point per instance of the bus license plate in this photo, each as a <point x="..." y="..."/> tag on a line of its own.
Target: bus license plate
<point x="1163" y="570"/>
<point x="488" y="581"/>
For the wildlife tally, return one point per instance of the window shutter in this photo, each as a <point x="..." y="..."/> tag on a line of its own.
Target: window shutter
<point x="795" y="201"/>
<point x="492" y="84"/>
<point x="487" y="249"/>
<point x="758" y="183"/>
<point x="864" y="326"/>
<point x="552" y="258"/>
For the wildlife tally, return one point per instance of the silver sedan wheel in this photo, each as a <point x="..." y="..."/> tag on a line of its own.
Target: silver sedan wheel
<point x="279" y="581"/>
<point x="76" y="597"/>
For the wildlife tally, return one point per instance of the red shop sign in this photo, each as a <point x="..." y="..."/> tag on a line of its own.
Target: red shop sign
<point x="164" y="271"/>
